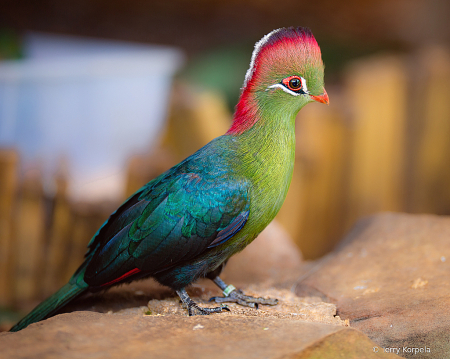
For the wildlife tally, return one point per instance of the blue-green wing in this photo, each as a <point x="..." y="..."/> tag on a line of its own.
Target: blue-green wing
<point x="173" y="219"/>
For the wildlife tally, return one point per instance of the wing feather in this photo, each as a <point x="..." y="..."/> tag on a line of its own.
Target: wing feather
<point x="174" y="218"/>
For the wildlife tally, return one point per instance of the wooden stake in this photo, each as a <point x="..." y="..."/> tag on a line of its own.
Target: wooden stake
<point x="8" y="189"/>
<point x="30" y="229"/>
<point x="429" y="164"/>
<point x="58" y="238"/>
<point x="377" y="89"/>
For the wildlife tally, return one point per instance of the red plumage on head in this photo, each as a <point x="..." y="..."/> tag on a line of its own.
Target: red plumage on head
<point x="279" y="50"/>
<point x="286" y="45"/>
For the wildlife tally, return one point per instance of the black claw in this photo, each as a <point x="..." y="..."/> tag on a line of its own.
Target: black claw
<point x="233" y="295"/>
<point x="194" y="309"/>
<point x="244" y="300"/>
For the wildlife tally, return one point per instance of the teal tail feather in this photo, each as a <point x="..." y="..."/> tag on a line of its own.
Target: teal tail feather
<point x="51" y="305"/>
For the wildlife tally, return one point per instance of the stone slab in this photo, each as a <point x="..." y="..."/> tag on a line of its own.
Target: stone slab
<point x="132" y="334"/>
<point x="391" y="278"/>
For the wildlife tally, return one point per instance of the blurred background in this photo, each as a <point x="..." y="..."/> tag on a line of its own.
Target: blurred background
<point x="98" y="97"/>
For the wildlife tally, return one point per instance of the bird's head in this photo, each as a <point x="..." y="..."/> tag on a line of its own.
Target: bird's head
<point x="286" y="72"/>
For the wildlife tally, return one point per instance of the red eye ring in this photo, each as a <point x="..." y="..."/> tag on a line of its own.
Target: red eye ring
<point x="293" y="83"/>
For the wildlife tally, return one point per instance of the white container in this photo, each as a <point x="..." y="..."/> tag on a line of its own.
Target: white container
<point x="90" y="101"/>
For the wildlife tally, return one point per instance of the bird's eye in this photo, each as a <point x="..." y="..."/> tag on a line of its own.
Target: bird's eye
<point x="293" y="83"/>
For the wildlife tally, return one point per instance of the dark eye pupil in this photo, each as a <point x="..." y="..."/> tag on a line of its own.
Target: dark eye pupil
<point x="295" y="84"/>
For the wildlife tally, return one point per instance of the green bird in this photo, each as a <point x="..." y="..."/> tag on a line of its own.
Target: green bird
<point x="186" y="223"/>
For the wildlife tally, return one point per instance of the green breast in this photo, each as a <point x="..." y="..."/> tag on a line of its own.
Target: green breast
<point x="265" y="155"/>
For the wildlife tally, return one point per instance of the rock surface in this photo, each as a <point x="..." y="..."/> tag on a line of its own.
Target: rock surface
<point x="290" y="306"/>
<point x="123" y="323"/>
<point x="391" y="278"/>
<point x="135" y="335"/>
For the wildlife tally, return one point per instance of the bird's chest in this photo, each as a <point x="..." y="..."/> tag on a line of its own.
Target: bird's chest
<point x="269" y="169"/>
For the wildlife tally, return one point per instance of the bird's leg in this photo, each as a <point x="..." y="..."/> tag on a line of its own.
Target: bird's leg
<point x="194" y="309"/>
<point x="231" y="294"/>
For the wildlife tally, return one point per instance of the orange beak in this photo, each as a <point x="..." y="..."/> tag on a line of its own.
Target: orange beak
<point x="322" y="98"/>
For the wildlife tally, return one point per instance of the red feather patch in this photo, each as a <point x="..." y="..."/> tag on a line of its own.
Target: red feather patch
<point x="126" y="275"/>
<point x="282" y="46"/>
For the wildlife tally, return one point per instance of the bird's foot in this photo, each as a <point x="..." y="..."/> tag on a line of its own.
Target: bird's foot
<point x="237" y="296"/>
<point x="233" y="295"/>
<point x="193" y="307"/>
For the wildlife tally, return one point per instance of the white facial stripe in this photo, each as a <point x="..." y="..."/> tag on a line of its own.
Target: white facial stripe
<point x="285" y="89"/>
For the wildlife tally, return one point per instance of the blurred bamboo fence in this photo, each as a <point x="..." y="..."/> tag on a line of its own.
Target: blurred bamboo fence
<point x="382" y="145"/>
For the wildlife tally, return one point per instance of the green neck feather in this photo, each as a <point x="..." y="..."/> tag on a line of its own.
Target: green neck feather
<point x="267" y="154"/>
